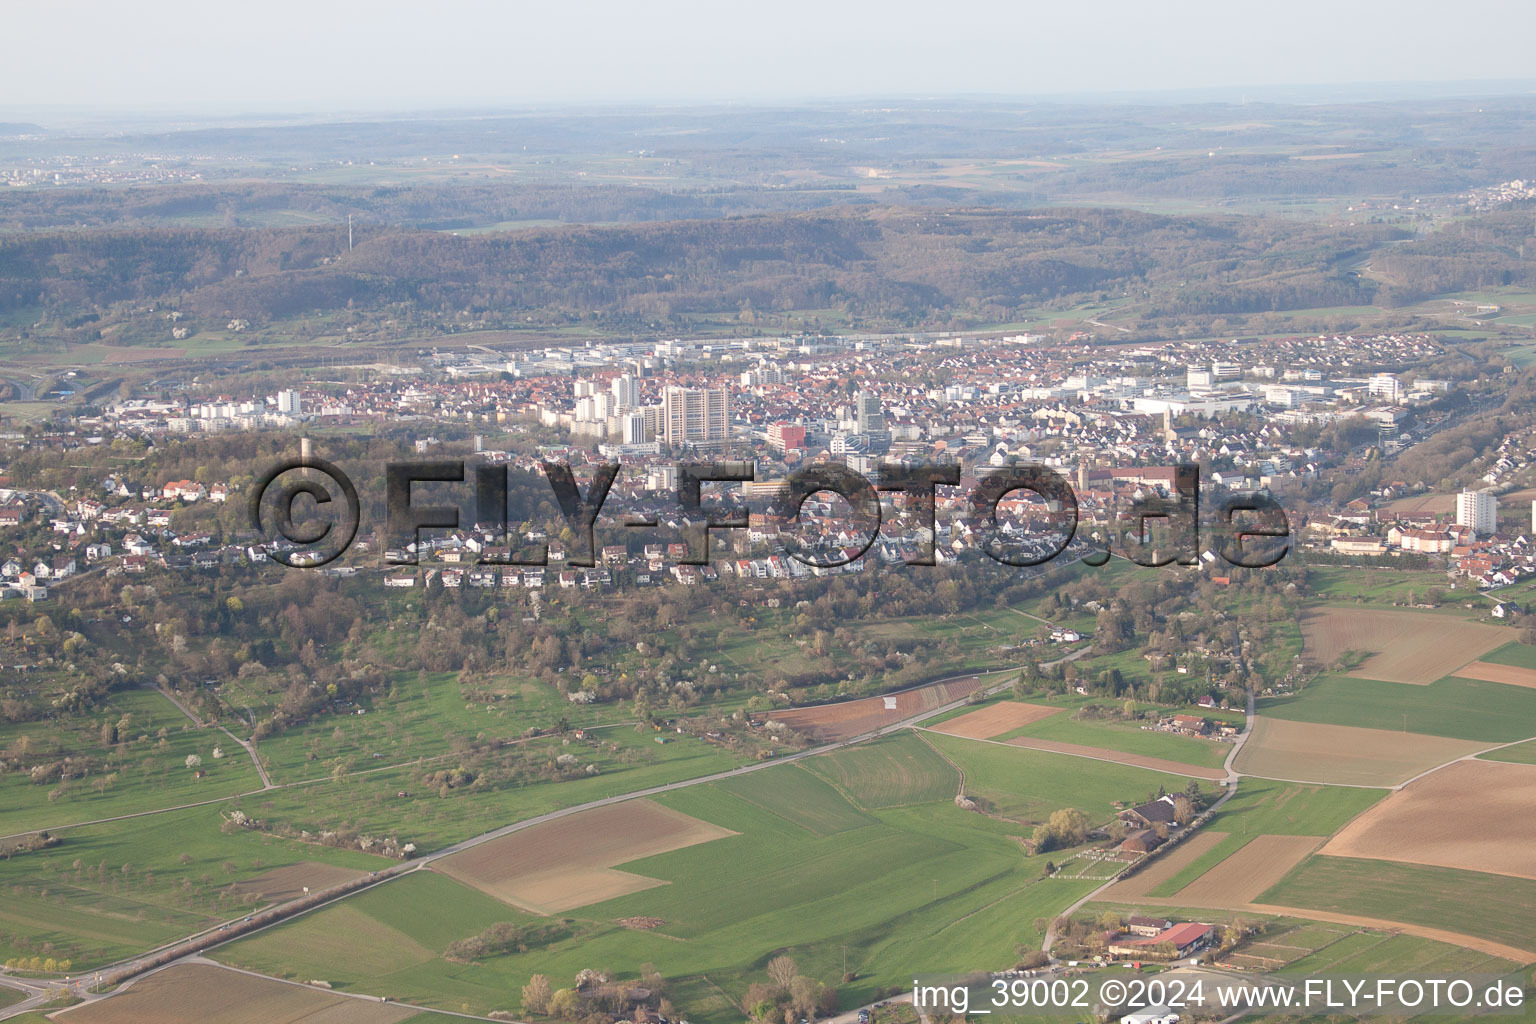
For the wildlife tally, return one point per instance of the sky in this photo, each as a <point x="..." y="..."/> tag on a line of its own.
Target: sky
<point x="384" y="55"/>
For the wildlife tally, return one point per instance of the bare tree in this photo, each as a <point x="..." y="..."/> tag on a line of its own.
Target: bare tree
<point x="782" y="970"/>
<point x="536" y="995"/>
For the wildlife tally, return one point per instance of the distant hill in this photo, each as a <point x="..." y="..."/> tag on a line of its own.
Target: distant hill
<point x="20" y="128"/>
<point x="882" y="262"/>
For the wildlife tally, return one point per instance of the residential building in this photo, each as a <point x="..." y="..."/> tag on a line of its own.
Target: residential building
<point x="868" y="417"/>
<point x="783" y="437"/>
<point x="626" y="392"/>
<point x="696" y="417"/>
<point x="1479" y="510"/>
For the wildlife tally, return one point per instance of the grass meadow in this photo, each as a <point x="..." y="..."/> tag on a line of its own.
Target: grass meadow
<point x="1466" y="709"/>
<point x="895" y="888"/>
<point x="1494" y="906"/>
<point x="1262" y="807"/>
<point x="1027" y="785"/>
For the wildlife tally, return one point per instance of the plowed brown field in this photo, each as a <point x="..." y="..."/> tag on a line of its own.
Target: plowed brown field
<point x="1250" y="871"/>
<point x="1404" y="646"/>
<point x="995" y="719"/>
<point x="1164" y="867"/>
<point x="286" y="883"/>
<point x="568" y="862"/>
<point x="1491" y="673"/>
<point x="1474" y="815"/>
<point x="1343" y="754"/>
<point x="855" y="717"/>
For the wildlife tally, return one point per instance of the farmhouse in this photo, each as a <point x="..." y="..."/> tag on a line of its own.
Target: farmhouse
<point x="1178" y="941"/>
<point x="1147" y="927"/>
<point x="1157" y="812"/>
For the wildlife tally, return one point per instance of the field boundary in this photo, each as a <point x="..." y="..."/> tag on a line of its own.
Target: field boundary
<point x="1189" y="771"/>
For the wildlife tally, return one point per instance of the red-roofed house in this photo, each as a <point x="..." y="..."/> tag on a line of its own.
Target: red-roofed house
<point x="1181" y="939"/>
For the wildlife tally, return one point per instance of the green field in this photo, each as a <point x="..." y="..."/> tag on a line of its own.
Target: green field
<point x="926" y="887"/>
<point x="145" y="770"/>
<point x="1372" y="585"/>
<point x="1516" y="654"/>
<point x="407" y="925"/>
<point x="1027" y="785"/>
<point x="1520" y="753"/>
<point x="889" y="772"/>
<point x="35" y="1017"/>
<point x="371" y="801"/>
<point x="419" y="716"/>
<point x="1376" y="953"/>
<point x="110" y="889"/>
<point x="1494" y="906"/>
<point x="1128" y="737"/>
<point x="1461" y="708"/>
<point x="1262" y="807"/>
<point x="78" y="898"/>
<point x="797" y="795"/>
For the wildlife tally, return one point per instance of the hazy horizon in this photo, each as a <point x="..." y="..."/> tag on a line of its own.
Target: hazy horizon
<point x="296" y="59"/>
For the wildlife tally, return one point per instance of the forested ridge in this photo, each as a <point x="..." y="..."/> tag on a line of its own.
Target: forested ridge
<point x="871" y="262"/>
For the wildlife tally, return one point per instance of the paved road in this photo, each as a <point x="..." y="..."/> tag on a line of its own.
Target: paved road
<point x="40" y="993"/>
<point x="37" y="994"/>
<point x="1232" y="776"/>
<point x="80" y="987"/>
<point x="51" y="499"/>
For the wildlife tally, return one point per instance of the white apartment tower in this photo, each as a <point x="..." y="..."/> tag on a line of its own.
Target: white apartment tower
<point x="695" y="416"/>
<point x="594" y="408"/>
<point x="632" y="428"/>
<point x="1479" y="510"/>
<point x="626" y="392"/>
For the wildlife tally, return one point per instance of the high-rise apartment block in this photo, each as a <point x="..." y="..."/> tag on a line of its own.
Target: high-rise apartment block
<point x="695" y="417"/>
